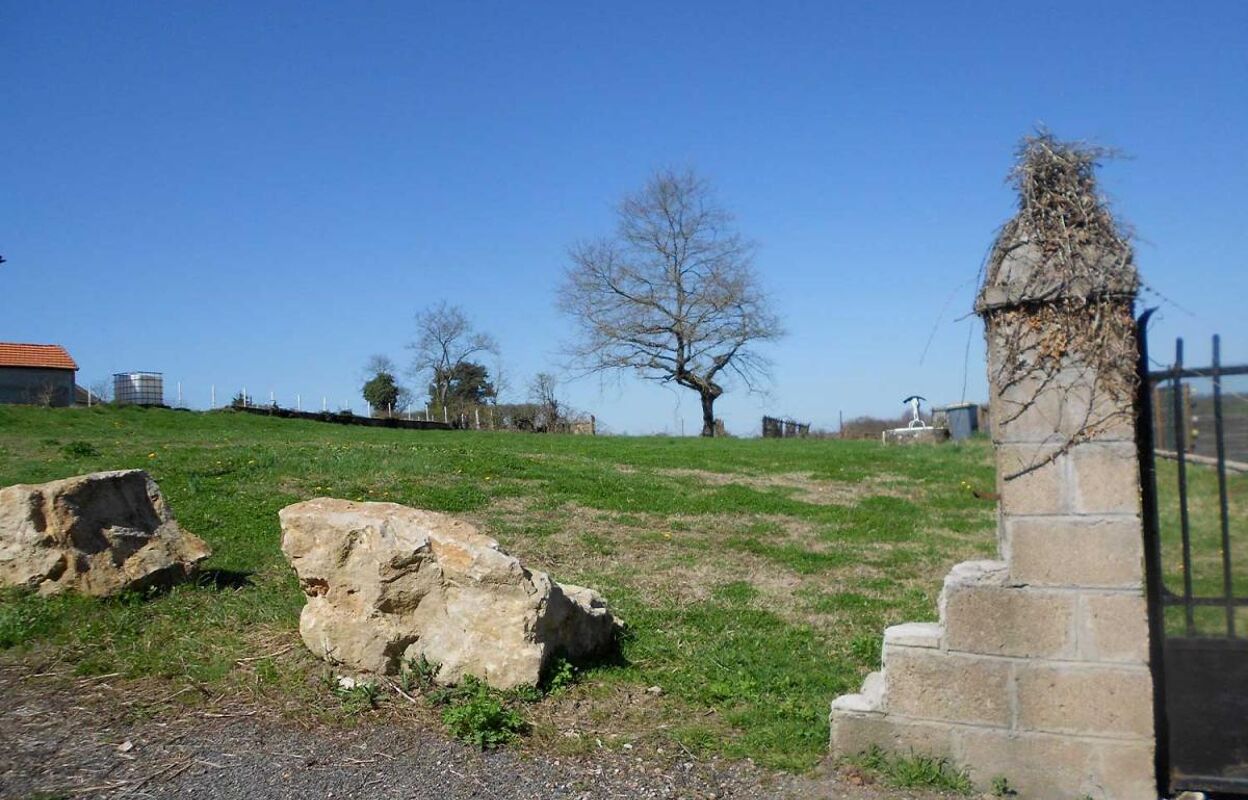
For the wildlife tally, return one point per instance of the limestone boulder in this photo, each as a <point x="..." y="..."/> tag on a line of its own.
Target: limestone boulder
<point x="387" y="584"/>
<point x="98" y="534"/>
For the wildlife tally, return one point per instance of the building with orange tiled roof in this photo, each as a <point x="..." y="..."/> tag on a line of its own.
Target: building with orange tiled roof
<point x="36" y="374"/>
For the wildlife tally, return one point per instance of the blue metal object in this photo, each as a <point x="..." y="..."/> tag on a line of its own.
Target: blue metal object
<point x="962" y="420"/>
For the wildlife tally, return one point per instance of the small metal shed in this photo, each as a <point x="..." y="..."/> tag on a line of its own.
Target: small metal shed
<point x="962" y="419"/>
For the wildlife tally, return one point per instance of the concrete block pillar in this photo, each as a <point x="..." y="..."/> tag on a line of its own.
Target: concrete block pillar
<point x="1038" y="669"/>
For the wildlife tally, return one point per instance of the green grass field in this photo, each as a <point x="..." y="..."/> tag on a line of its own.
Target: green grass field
<point x="756" y="576"/>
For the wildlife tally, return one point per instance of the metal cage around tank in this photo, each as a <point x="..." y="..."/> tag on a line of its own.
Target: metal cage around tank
<point x="139" y="389"/>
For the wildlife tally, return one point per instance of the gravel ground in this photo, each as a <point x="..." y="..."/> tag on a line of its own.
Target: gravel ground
<point x="66" y="737"/>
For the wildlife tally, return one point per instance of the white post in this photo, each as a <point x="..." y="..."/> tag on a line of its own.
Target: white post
<point x="179" y="394"/>
<point x="272" y="398"/>
<point x="213" y="402"/>
<point x="444" y="417"/>
<point x="88" y="397"/>
<point x="244" y="397"/>
<point x="477" y="412"/>
<point x="298" y="402"/>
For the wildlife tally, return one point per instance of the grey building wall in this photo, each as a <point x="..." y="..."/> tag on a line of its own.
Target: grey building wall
<point x="34" y="384"/>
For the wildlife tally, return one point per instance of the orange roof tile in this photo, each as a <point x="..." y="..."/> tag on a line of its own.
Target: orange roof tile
<point x="51" y="356"/>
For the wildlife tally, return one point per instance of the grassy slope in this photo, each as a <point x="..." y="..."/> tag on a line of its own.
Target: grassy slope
<point x="756" y="575"/>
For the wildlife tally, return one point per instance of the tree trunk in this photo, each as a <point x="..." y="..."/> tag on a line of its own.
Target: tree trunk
<point x="708" y="414"/>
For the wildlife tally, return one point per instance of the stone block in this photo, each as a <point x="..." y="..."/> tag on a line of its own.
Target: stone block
<point x="1037" y="767"/>
<point x="856" y="733"/>
<point x="926" y="435"/>
<point x="1010" y="621"/>
<point x="1114" y="628"/>
<point x="1065" y="405"/>
<point x="934" y="685"/>
<point x="1070" y="551"/>
<point x="914" y="634"/>
<point x="1126" y="771"/>
<point x="1105" y="478"/>
<point x="1039" y="489"/>
<point x="869" y="698"/>
<point x="1077" y="699"/>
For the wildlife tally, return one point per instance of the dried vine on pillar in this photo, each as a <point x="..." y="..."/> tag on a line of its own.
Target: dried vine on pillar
<point x="1058" y="293"/>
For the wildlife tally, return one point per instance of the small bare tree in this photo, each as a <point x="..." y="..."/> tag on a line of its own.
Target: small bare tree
<point x="445" y="340"/>
<point x="542" y="390"/>
<point x="673" y="295"/>
<point x="101" y="391"/>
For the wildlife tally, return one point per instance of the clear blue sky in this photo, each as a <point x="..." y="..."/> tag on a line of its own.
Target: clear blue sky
<point x="264" y="194"/>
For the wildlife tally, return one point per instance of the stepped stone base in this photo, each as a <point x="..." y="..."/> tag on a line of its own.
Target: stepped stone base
<point x="1045" y="687"/>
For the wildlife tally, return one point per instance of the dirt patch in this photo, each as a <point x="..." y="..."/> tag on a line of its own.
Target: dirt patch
<point x="805" y="488"/>
<point x="681" y="560"/>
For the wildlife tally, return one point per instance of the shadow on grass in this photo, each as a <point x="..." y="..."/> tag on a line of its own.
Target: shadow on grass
<point x="224" y="579"/>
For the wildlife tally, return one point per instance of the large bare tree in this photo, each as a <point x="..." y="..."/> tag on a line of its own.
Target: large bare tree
<point x="672" y="296"/>
<point x="445" y="341"/>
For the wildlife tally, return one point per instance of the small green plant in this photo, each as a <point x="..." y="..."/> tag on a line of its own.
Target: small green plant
<point x="915" y="771"/>
<point x="477" y="716"/>
<point x="357" y="696"/>
<point x="79" y="449"/>
<point x="525" y="693"/>
<point x="561" y="675"/>
<point x="418" y="673"/>
<point x="1001" y="787"/>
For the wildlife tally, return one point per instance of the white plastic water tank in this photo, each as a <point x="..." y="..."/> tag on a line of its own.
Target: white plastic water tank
<point x="139" y="389"/>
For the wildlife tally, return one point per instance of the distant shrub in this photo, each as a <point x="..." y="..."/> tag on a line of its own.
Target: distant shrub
<point x="79" y="449"/>
<point x="871" y="427"/>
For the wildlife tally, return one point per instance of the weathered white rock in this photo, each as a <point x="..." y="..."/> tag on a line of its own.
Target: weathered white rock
<point x="387" y="584"/>
<point x="98" y="534"/>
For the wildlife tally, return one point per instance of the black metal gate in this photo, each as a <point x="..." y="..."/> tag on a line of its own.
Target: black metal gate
<point x="1197" y="570"/>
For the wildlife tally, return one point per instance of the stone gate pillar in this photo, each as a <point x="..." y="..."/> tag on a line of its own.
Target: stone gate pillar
<point x="1038" y="669"/>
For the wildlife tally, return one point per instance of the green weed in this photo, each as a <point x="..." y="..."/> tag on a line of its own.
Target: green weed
<point x="915" y="771"/>
<point x="79" y="449"/>
<point x="477" y="716"/>
<point x="357" y="696"/>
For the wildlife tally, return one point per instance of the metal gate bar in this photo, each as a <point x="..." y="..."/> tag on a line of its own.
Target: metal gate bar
<point x="1227" y="586"/>
<point x="1180" y="447"/>
<point x="1154" y="587"/>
